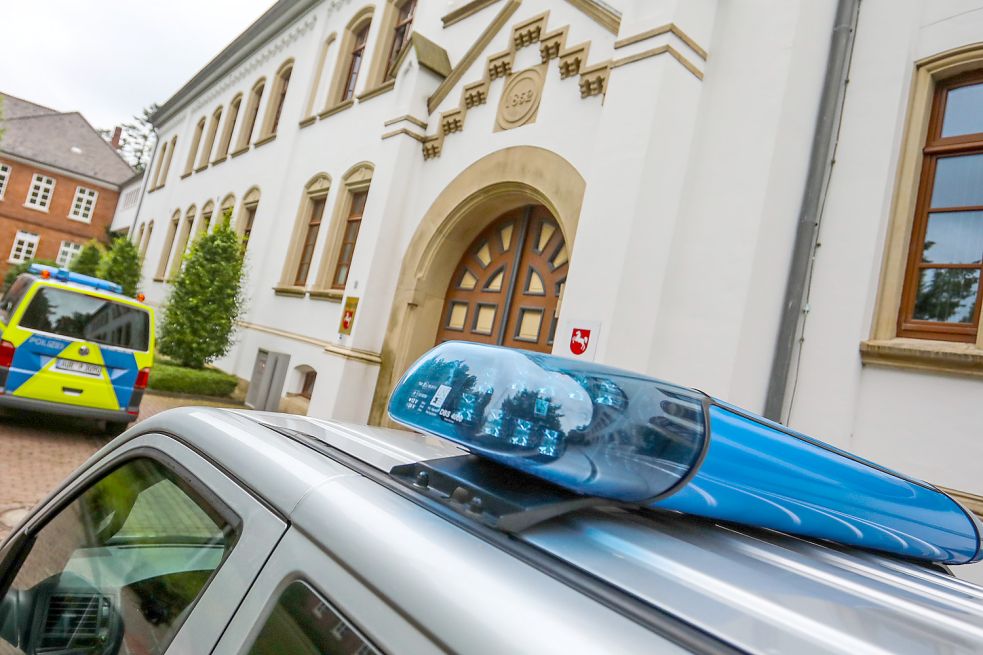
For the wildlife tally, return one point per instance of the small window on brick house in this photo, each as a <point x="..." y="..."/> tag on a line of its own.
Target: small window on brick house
<point x="4" y="176"/>
<point x="83" y="205"/>
<point x="25" y="245"/>
<point x="68" y="251"/>
<point x="39" y="195"/>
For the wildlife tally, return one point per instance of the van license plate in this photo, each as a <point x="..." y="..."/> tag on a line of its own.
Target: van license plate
<point x="78" y="367"/>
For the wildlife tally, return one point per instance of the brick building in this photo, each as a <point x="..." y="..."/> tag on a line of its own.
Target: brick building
<point x="59" y="183"/>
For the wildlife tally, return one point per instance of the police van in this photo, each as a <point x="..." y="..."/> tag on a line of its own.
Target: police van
<point x="538" y="505"/>
<point x="73" y="344"/>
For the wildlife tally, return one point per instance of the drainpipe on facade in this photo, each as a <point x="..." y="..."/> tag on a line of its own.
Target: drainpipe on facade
<point x="821" y="159"/>
<point x="143" y="186"/>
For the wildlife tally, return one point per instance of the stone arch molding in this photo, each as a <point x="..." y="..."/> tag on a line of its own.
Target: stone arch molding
<point x="503" y="180"/>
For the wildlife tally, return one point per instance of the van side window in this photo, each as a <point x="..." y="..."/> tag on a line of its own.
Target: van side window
<point x="11" y="299"/>
<point x="305" y="624"/>
<point x="118" y="569"/>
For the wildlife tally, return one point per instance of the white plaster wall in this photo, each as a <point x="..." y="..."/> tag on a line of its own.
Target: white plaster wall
<point x="927" y="425"/>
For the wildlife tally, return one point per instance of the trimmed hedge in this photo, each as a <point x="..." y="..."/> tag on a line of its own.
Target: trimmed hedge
<point x="199" y="382"/>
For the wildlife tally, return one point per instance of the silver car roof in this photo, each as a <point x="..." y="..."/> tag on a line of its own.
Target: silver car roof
<point x="758" y="590"/>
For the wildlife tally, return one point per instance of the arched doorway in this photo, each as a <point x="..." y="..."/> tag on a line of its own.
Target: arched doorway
<point x="507" y="285"/>
<point x="497" y="183"/>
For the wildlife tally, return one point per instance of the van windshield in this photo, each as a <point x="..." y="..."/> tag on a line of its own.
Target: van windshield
<point x="77" y="315"/>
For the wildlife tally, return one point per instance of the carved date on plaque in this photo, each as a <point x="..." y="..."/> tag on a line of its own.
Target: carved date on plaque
<point x="520" y="98"/>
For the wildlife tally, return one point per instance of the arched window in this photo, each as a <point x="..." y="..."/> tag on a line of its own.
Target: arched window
<point x="249" y="119"/>
<point x="206" y="151"/>
<point x="139" y="239"/>
<point x="400" y="35"/>
<point x="346" y="223"/>
<point x="278" y="96"/>
<point x="230" y="124"/>
<point x="205" y="222"/>
<point x="942" y="288"/>
<point x="307" y="227"/>
<point x="167" y="162"/>
<point x="184" y="234"/>
<point x="145" y="238"/>
<point x="165" y="253"/>
<point x="227" y="207"/>
<point x="317" y="79"/>
<point x="155" y="181"/>
<point x="351" y="56"/>
<point x="195" y="142"/>
<point x="247" y="216"/>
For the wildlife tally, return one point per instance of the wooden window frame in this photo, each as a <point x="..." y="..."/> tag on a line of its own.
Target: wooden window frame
<point x="278" y="96"/>
<point x="199" y="131"/>
<point x="305" y="261"/>
<point x="336" y="97"/>
<point x="252" y="113"/>
<point x="399" y="37"/>
<point x="183" y="238"/>
<point x="167" y="161"/>
<point x="936" y="147"/>
<point x="83" y="204"/>
<point x="355" y="59"/>
<point x="28" y="243"/>
<point x="225" y="142"/>
<point x="356" y="179"/>
<point x="168" y="246"/>
<point x="45" y="185"/>
<point x="344" y="240"/>
<point x="205" y="157"/>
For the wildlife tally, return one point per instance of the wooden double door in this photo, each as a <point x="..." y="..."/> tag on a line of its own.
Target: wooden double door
<point x="507" y="287"/>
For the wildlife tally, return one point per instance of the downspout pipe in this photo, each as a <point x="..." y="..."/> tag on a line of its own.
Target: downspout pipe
<point x="821" y="158"/>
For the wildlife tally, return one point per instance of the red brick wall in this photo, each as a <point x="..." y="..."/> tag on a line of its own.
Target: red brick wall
<point x="53" y="226"/>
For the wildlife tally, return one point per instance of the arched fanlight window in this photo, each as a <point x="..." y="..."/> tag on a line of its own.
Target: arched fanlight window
<point x="230" y="124"/>
<point x="278" y="96"/>
<point x="195" y="142"/>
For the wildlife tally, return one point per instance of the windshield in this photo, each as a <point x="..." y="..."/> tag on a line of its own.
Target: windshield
<point x="72" y="314"/>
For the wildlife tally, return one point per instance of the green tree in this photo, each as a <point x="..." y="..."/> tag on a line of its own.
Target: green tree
<point x="14" y="271"/>
<point x="201" y="312"/>
<point x="87" y="262"/>
<point x="121" y="264"/>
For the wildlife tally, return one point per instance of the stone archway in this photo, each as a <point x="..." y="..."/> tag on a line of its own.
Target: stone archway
<point x="502" y="181"/>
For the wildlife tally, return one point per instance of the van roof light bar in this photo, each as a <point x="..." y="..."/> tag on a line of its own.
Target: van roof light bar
<point x="65" y="275"/>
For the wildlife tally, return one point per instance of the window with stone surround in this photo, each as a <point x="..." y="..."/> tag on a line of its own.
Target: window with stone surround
<point x="83" y="205"/>
<point x="24" y="247"/>
<point x="195" y="142"/>
<point x="346" y="224"/>
<point x="4" y="176"/>
<point x="249" y="120"/>
<point x="230" y="124"/>
<point x="68" y="251"/>
<point x="350" y="61"/>
<point x="400" y="35"/>
<point x="278" y="96"/>
<point x="39" y="195"/>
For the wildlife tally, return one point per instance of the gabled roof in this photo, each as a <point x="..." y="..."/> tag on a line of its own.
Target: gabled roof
<point x="61" y="140"/>
<point x="14" y="107"/>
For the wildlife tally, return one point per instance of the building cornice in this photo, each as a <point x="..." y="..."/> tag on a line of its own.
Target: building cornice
<point x="247" y="51"/>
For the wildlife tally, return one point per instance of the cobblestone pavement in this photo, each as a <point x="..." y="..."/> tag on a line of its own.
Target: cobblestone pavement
<point x="38" y="451"/>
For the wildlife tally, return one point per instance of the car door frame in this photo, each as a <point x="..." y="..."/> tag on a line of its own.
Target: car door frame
<point x="260" y="528"/>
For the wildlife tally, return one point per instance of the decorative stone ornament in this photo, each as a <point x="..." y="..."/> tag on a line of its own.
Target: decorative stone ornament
<point x="519" y="104"/>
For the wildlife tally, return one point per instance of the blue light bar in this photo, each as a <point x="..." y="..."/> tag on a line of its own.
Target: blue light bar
<point x="604" y="432"/>
<point x="65" y="275"/>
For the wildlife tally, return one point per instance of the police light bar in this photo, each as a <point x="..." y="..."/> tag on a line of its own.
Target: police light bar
<point x="607" y="433"/>
<point x="65" y="275"/>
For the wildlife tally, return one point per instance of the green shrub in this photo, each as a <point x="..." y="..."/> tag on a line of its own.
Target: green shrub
<point x="201" y="312"/>
<point x="87" y="262"/>
<point x="121" y="264"/>
<point x="16" y="270"/>
<point x="199" y="382"/>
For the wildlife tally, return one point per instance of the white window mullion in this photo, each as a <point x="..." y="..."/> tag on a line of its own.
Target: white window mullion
<point x="83" y="205"/>
<point x="69" y="251"/>
<point x="39" y="195"/>
<point x="4" y="176"/>
<point x="25" y="245"/>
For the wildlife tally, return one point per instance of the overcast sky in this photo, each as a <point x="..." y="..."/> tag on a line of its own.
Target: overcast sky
<point x="110" y="58"/>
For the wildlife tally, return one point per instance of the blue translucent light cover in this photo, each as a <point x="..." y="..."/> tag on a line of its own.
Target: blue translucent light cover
<point x="594" y="430"/>
<point x="609" y="433"/>
<point x="64" y="275"/>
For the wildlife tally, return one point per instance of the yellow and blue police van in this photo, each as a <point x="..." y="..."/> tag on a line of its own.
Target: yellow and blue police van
<point x="73" y="344"/>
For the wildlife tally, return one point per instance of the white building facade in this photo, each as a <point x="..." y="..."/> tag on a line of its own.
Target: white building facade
<point x="642" y="175"/>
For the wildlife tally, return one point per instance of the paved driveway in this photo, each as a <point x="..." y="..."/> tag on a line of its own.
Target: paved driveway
<point x="38" y="451"/>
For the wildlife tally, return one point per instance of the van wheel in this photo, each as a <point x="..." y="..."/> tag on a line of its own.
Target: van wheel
<point x="115" y="428"/>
